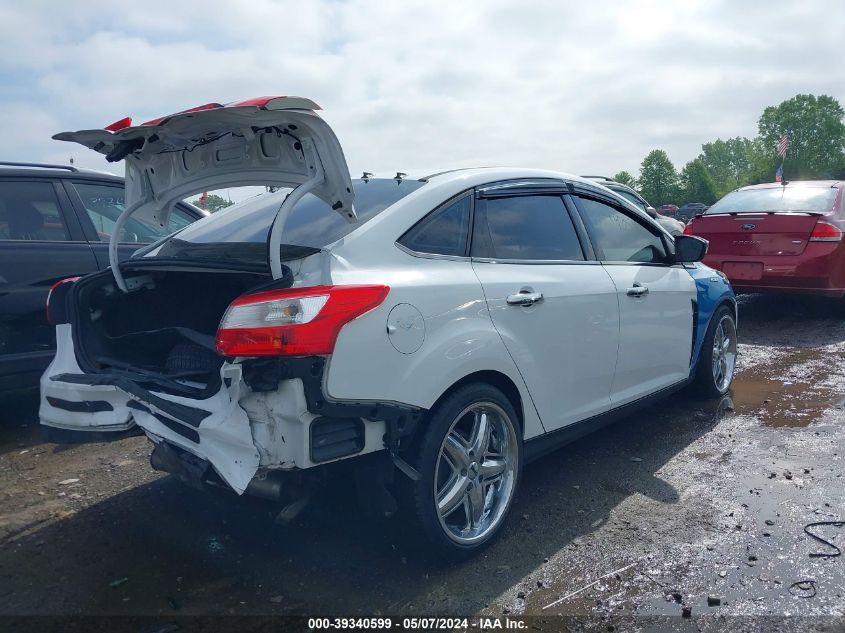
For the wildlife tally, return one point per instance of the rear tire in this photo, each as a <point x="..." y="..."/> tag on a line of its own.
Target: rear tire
<point x="717" y="362"/>
<point x="470" y="462"/>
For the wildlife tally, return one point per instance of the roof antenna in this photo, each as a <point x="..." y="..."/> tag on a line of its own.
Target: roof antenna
<point x="400" y="175"/>
<point x="367" y="175"/>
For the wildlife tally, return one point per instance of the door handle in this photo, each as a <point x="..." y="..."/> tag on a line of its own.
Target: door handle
<point x="525" y="298"/>
<point x="637" y="290"/>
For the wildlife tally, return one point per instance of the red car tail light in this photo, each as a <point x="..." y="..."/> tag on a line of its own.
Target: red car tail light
<point x="293" y="321"/>
<point x="688" y="229"/>
<point x="55" y="312"/>
<point x="825" y="232"/>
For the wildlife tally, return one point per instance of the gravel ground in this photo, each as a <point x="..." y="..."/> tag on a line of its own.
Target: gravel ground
<point x="694" y="501"/>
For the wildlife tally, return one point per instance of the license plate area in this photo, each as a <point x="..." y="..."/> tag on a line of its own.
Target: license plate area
<point x="743" y="271"/>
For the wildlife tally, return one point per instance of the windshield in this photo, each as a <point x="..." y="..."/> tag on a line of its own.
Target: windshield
<point x="777" y="199"/>
<point x="312" y="223"/>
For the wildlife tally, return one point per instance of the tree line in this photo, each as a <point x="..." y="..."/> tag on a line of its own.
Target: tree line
<point x="816" y="151"/>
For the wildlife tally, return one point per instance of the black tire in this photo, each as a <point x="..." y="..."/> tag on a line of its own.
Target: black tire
<point x="706" y="381"/>
<point x="447" y="417"/>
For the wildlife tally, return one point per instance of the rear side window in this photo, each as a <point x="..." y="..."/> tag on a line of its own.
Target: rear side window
<point x="619" y="236"/>
<point x="443" y="232"/>
<point x="30" y="211"/>
<point x="312" y="223"/>
<point x="525" y="227"/>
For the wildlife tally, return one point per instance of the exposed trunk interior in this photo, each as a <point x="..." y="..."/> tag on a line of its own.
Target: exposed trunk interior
<point x="164" y="327"/>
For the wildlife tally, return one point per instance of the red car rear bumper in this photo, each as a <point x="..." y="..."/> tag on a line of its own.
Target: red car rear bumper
<point x="819" y="270"/>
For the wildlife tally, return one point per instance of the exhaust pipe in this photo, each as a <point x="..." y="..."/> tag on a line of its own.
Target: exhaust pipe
<point x="268" y="486"/>
<point x="197" y="473"/>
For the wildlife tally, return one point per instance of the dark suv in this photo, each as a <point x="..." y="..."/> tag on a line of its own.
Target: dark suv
<point x="690" y="210"/>
<point x="55" y="222"/>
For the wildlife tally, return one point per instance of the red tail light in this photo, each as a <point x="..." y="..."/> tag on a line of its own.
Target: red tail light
<point x="688" y="229"/>
<point x="294" y="321"/>
<point x="825" y="232"/>
<point x="56" y="313"/>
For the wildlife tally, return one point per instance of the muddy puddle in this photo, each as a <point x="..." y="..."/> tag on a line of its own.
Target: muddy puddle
<point x="788" y="393"/>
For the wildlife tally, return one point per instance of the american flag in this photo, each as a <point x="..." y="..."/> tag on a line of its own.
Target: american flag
<point x="783" y="143"/>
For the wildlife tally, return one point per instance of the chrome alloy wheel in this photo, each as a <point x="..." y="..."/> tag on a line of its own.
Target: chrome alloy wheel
<point x="475" y="475"/>
<point x="724" y="353"/>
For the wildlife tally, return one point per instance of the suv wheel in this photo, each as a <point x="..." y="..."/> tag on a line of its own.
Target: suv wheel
<point x="470" y="460"/>
<point x="718" y="355"/>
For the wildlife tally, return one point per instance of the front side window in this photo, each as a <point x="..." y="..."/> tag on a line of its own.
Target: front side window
<point x="619" y="236"/>
<point x="104" y="204"/>
<point x="525" y="227"/>
<point x="444" y="232"/>
<point x="30" y="211"/>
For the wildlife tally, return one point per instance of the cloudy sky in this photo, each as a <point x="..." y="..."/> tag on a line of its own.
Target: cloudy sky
<point x="582" y="87"/>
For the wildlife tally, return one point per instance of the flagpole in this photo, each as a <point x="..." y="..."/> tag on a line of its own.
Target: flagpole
<point x="786" y="141"/>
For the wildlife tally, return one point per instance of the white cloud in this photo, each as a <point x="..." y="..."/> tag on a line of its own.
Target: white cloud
<point x="417" y="86"/>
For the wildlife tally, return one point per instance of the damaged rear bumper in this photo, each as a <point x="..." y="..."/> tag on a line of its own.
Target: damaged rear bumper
<point x="215" y="429"/>
<point x="264" y="419"/>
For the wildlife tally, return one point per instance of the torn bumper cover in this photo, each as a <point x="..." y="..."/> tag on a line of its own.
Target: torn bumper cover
<point x="215" y="429"/>
<point x="84" y="408"/>
<point x="266" y="415"/>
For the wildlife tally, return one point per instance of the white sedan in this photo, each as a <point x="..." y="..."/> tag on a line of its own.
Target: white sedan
<point x="429" y="335"/>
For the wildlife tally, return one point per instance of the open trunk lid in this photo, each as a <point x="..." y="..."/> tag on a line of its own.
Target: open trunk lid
<point x="278" y="141"/>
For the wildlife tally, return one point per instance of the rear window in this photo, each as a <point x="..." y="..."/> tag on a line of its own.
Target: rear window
<point x="777" y="199"/>
<point x="312" y="223"/>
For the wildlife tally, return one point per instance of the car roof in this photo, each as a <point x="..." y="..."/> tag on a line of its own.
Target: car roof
<point x="794" y="183"/>
<point x="14" y="168"/>
<point x="481" y="175"/>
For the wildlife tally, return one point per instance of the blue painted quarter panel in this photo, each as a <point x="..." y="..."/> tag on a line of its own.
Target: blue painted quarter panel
<point x="713" y="290"/>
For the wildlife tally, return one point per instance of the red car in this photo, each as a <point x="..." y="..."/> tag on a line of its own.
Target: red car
<point x="778" y="237"/>
<point x="667" y="209"/>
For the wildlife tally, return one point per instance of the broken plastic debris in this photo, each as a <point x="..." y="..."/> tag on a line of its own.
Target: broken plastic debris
<point x="67" y="482"/>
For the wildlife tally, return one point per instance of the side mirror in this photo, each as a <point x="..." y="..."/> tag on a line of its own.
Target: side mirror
<point x="689" y="249"/>
<point x="652" y="212"/>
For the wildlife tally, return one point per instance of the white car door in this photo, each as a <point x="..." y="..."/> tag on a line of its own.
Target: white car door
<point x="656" y="299"/>
<point x="556" y="311"/>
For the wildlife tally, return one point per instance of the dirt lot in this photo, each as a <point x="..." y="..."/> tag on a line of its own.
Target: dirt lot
<point x="693" y="499"/>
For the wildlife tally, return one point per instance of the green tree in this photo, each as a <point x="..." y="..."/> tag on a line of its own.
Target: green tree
<point x="817" y="149"/>
<point x="626" y="179"/>
<point x="697" y="184"/>
<point x="658" y="179"/>
<point x="213" y="203"/>
<point x="729" y="162"/>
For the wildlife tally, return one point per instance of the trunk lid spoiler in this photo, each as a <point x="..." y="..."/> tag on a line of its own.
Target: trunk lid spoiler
<point x="277" y="141"/>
